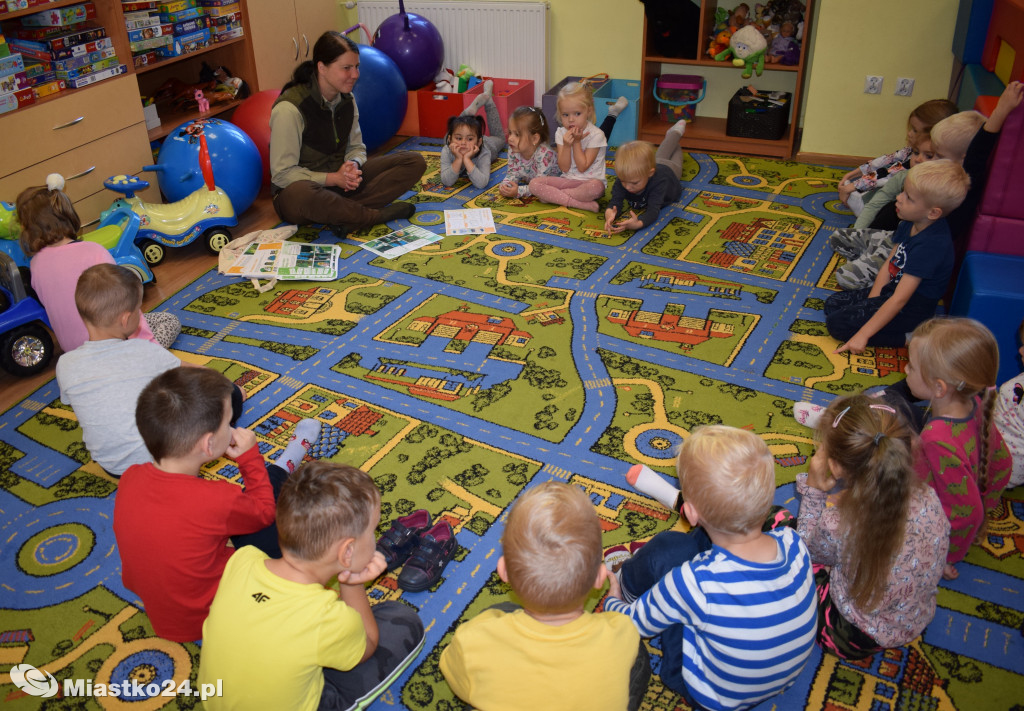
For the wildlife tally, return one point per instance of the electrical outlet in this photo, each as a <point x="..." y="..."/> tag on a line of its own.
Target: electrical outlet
<point x="873" y="84"/>
<point x="904" y="87"/>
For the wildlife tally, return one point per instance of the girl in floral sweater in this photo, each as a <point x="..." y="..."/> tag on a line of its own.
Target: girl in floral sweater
<point x="529" y="155"/>
<point x="882" y="547"/>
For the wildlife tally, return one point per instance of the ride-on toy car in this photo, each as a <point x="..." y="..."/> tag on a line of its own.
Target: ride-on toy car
<point x="26" y="346"/>
<point x="207" y="212"/>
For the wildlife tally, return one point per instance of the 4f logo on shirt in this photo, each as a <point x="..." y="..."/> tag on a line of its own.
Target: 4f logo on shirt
<point x="260" y="597"/>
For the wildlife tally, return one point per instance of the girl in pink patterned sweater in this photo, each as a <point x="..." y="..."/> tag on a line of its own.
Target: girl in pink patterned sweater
<point x="953" y="364"/>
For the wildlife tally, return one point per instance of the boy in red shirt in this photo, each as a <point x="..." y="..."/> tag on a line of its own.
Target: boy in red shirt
<point x="172" y="527"/>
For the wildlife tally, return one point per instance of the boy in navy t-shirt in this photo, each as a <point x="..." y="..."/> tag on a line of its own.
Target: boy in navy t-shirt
<point x="919" y="266"/>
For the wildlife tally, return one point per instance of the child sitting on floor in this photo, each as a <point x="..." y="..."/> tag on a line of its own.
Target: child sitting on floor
<point x="920" y="265"/>
<point x="726" y="595"/>
<point x="952" y="365"/>
<point x="277" y="637"/>
<point x="506" y="657"/>
<point x="580" y="147"/>
<point x="102" y="378"/>
<point x="881" y="548"/>
<point x="172" y="527"/>
<point x="49" y="236"/>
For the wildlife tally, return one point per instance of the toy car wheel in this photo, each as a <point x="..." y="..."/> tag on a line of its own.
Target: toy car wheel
<point x="138" y="272"/>
<point x="216" y="239"/>
<point x="26" y="350"/>
<point x="153" y="252"/>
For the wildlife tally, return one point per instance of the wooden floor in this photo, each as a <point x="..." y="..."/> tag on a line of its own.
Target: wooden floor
<point x="179" y="268"/>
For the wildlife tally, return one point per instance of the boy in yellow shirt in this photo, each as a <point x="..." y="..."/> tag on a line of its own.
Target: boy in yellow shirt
<point x="277" y="638"/>
<point x="551" y="653"/>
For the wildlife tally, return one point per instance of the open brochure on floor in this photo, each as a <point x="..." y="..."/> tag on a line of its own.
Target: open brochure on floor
<point x="288" y="260"/>
<point x="395" y="244"/>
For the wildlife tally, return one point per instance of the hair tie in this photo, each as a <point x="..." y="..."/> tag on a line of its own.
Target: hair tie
<point x="878" y="437"/>
<point x="54" y="181"/>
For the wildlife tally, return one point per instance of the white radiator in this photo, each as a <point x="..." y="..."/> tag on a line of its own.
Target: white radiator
<point x="498" y="39"/>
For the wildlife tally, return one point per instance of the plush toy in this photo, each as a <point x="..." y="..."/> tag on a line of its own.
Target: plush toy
<point x="747" y="48"/>
<point x="785" y="49"/>
<point x="719" y="43"/>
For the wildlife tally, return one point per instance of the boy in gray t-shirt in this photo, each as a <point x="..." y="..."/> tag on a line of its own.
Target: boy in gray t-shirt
<point x="102" y="378"/>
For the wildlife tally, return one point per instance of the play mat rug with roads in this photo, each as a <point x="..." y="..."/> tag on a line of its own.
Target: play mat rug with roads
<point x="464" y="372"/>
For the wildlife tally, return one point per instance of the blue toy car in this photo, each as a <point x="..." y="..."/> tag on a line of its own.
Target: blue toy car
<point x="26" y="346"/>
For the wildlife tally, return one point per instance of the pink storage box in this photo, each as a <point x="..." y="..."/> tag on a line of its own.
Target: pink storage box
<point x="678" y="96"/>
<point x="509" y="95"/>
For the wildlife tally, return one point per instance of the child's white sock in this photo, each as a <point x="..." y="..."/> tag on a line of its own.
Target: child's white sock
<point x="647" y="481"/>
<point x="307" y="432"/>
<point x="679" y="127"/>
<point x="807" y="413"/>
<point x="481" y="99"/>
<point x="618" y="107"/>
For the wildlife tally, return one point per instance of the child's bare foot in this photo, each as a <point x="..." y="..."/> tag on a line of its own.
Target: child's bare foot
<point x="950" y="573"/>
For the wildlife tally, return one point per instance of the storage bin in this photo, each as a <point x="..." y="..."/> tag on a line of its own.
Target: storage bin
<point x="764" y="115"/>
<point x="988" y="290"/>
<point x="434" y="109"/>
<point x="509" y="95"/>
<point x="678" y="95"/>
<point x="626" y="125"/>
<point x="549" y="102"/>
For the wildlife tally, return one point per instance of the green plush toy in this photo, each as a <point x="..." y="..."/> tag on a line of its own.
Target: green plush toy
<point x="747" y="47"/>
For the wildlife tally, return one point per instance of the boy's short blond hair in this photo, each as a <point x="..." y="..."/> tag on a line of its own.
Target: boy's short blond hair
<point x="952" y="135"/>
<point x="940" y="183"/>
<point x="105" y="292"/>
<point x="634" y="160"/>
<point x="552" y="547"/>
<point x="728" y="475"/>
<point x="322" y="503"/>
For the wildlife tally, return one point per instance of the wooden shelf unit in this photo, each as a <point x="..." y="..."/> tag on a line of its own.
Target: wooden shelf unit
<point x="65" y="132"/>
<point x="708" y="133"/>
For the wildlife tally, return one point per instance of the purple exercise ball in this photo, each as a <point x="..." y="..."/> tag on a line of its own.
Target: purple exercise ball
<point x="414" y="44"/>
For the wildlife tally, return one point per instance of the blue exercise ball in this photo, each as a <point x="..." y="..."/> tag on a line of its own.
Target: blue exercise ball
<point x="236" y="163"/>
<point x="414" y="44"/>
<point x="380" y="96"/>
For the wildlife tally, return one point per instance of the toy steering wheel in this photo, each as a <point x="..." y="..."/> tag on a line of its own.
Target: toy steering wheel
<point x="127" y="185"/>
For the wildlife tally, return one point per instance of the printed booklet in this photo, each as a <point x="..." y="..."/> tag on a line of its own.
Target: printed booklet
<point x="478" y="221"/>
<point x="395" y="244"/>
<point x="287" y="260"/>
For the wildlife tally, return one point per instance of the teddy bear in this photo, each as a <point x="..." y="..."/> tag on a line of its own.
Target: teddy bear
<point x="747" y="48"/>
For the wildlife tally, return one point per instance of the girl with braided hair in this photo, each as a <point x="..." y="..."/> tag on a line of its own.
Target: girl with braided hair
<point x="953" y="365"/>
<point x="879" y="551"/>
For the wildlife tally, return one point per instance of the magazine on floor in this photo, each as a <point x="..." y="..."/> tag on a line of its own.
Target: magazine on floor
<point x="287" y="260"/>
<point x="395" y="244"/>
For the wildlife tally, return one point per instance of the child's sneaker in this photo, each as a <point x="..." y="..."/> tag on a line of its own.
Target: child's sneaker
<point x="401" y="539"/>
<point x="436" y="549"/>
<point x="807" y="413"/>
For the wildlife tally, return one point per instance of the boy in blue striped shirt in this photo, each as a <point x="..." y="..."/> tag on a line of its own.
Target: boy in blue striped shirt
<point x="735" y="606"/>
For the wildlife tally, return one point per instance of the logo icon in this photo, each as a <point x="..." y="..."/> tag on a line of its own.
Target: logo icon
<point x="260" y="597"/>
<point x="32" y="681"/>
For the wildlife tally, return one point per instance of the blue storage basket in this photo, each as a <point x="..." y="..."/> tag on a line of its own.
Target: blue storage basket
<point x="628" y="121"/>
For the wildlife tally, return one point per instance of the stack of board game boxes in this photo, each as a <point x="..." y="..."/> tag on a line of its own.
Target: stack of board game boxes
<point x="63" y="48"/>
<point x="177" y="27"/>
<point x="15" y="90"/>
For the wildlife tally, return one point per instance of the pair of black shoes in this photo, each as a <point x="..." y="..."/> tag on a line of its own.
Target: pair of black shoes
<point x="422" y="549"/>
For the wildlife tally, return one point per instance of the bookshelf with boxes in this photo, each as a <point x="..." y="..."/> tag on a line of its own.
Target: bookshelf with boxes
<point x="710" y="129"/>
<point x="73" y="102"/>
